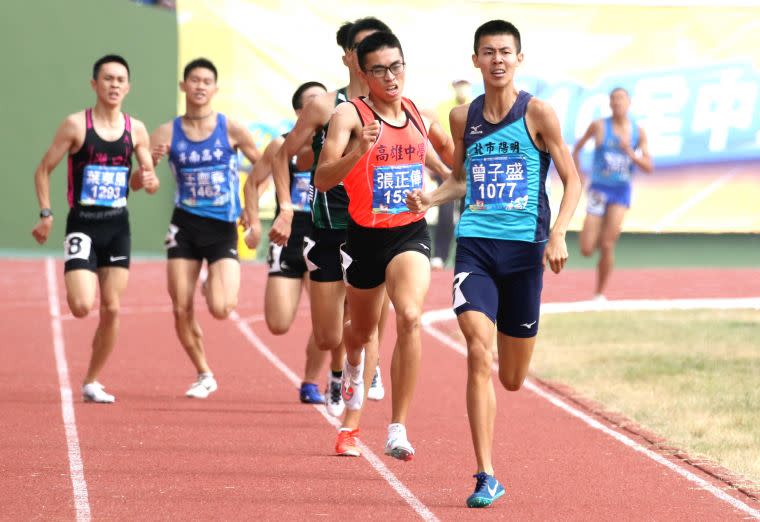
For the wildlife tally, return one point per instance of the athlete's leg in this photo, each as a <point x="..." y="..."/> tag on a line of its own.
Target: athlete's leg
<point x="81" y="286"/>
<point x="315" y="358"/>
<point x="113" y="282"/>
<point x="610" y="232"/>
<point x="361" y="333"/>
<point x="481" y="400"/>
<point x="327" y="302"/>
<point x="222" y="287"/>
<point x="407" y="281"/>
<point x="182" y="277"/>
<point x="281" y="298"/>
<point x="589" y="236"/>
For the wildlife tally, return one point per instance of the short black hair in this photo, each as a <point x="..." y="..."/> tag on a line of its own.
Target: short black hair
<point x="296" y="101"/>
<point x="341" y="37"/>
<point x="495" y="27"/>
<point x="199" y="63"/>
<point x="375" y="42"/>
<point x="619" y="88"/>
<point x="368" y="23"/>
<point x="109" y="58"/>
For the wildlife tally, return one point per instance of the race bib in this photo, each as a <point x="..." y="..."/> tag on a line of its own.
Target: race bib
<point x="104" y="186"/>
<point x="498" y="182"/>
<point x="204" y="186"/>
<point x="617" y="166"/>
<point x="391" y="184"/>
<point x="299" y="191"/>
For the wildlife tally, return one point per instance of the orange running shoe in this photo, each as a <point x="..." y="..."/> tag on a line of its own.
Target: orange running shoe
<point x="347" y="445"/>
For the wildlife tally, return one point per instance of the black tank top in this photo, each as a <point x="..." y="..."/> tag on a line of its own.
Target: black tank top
<point x="328" y="209"/>
<point x="99" y="170"/>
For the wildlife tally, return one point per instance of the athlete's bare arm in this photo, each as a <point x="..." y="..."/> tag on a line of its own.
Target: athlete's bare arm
<point x="456" y="185"/>
<point x="545" y="130"/>
<point x="313" y="116"/>
<point x="160" y="141"/>
<point x="641" y="157"/>
<point x="68" y="139"/>
<point x="591" y="132"/>
<point x="145" y="176"/>
<point x="334" y="162"/>
<point x="240" y="138"/>
<point x="441" y="142"/>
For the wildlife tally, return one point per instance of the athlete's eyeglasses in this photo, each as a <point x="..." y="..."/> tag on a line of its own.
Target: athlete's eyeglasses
<point x="379" y="71"/>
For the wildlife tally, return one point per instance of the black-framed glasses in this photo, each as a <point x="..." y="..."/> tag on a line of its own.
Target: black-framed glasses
<point x="379" y="71"/>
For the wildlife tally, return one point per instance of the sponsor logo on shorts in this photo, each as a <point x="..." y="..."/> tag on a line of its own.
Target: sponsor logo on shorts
<point x="423" y="245"/>
<point x="528" y="325"/>
<point x="117" y="258"/>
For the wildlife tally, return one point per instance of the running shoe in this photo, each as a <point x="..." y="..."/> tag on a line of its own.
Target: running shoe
<point x="333" y="400"/>
<point x="487" y="489"/>
<point x="347" y="445"/>
<point x="95" y="392"/>
<point x="309" y="394"/>
<point x="398" y="445"/>
<point x="376" y="390"/>
<point x="203" y="387"/>
<point x="352" y="384"/>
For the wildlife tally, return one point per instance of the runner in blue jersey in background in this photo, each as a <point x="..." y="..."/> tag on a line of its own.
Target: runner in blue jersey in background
<point x="504" y="141"/>
<point x="202" y="146"/>
<point x="621" y="145"/>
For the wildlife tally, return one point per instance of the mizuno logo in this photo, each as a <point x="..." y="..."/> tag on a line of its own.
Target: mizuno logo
<point x="118" y="258"/>
<point x="233" y="251"/>
<point x="528" y="325"/>
<point x="475" y="129"/>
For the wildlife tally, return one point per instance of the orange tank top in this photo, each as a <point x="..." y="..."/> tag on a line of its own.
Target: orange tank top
<point x="379" y="182"/>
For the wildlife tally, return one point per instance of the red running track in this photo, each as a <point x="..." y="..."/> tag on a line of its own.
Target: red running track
<point x="251" y="450"/>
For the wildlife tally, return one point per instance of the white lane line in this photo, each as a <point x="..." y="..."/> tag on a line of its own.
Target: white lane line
<point x="676" y="213"/>
<point x="618" y="305"/>
<point x="437" y="315"/>
<point x="368" y="454"/>
<point x="79" y="485"/>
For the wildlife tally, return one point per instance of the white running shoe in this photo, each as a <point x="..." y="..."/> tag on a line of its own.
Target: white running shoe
<point x="599" y="298"/>
<point x="376" y="389"/>
<point x="333" y="399"/>
<point x="95" y="392"/>
<point x="398" y="445"/>
<point x="203" y="387"/>
<point x="352" y="384"/>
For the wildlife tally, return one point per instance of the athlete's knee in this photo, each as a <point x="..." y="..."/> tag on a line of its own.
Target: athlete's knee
<point x="182" y="312"/>
<point x="587" y="249"/>
<point x="408" y="318"/>
<point x="79" y="307"/>
<point x="222" y="309"/>
<point x="479" y="357"/>
<point x="607" y="245"/>
<point x="327" y="341"/>
<point x="109" y="310"/>
<point x="511" y="382"/>
<point x="276" y="326"/>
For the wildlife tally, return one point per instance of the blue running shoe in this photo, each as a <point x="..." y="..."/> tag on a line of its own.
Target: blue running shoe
<point x="310" y="394"/>
<point x="487" y="489"/>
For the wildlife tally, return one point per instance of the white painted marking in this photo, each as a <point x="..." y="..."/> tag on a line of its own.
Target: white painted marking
<point x="79" y="485"/>
<point x="368" y="454"/>
<point x="628" y="305"/>
<point x="677" y="212"/>
<point x="428" y="318"/>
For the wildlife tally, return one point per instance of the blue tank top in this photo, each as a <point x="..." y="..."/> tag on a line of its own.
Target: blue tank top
<point x="206" y="173"/>
<point x="612" y="167"/>
<point x="506" y="177"/>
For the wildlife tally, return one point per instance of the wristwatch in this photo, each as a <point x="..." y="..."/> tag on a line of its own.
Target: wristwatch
<point x="46" y="212"/>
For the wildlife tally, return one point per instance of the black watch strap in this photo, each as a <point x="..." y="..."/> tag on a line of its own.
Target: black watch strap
<point x="46" y="212"/>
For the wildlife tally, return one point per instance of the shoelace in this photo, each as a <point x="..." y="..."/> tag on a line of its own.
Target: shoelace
<point x="335" y="392"/>
<point x="482" y="478"/>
